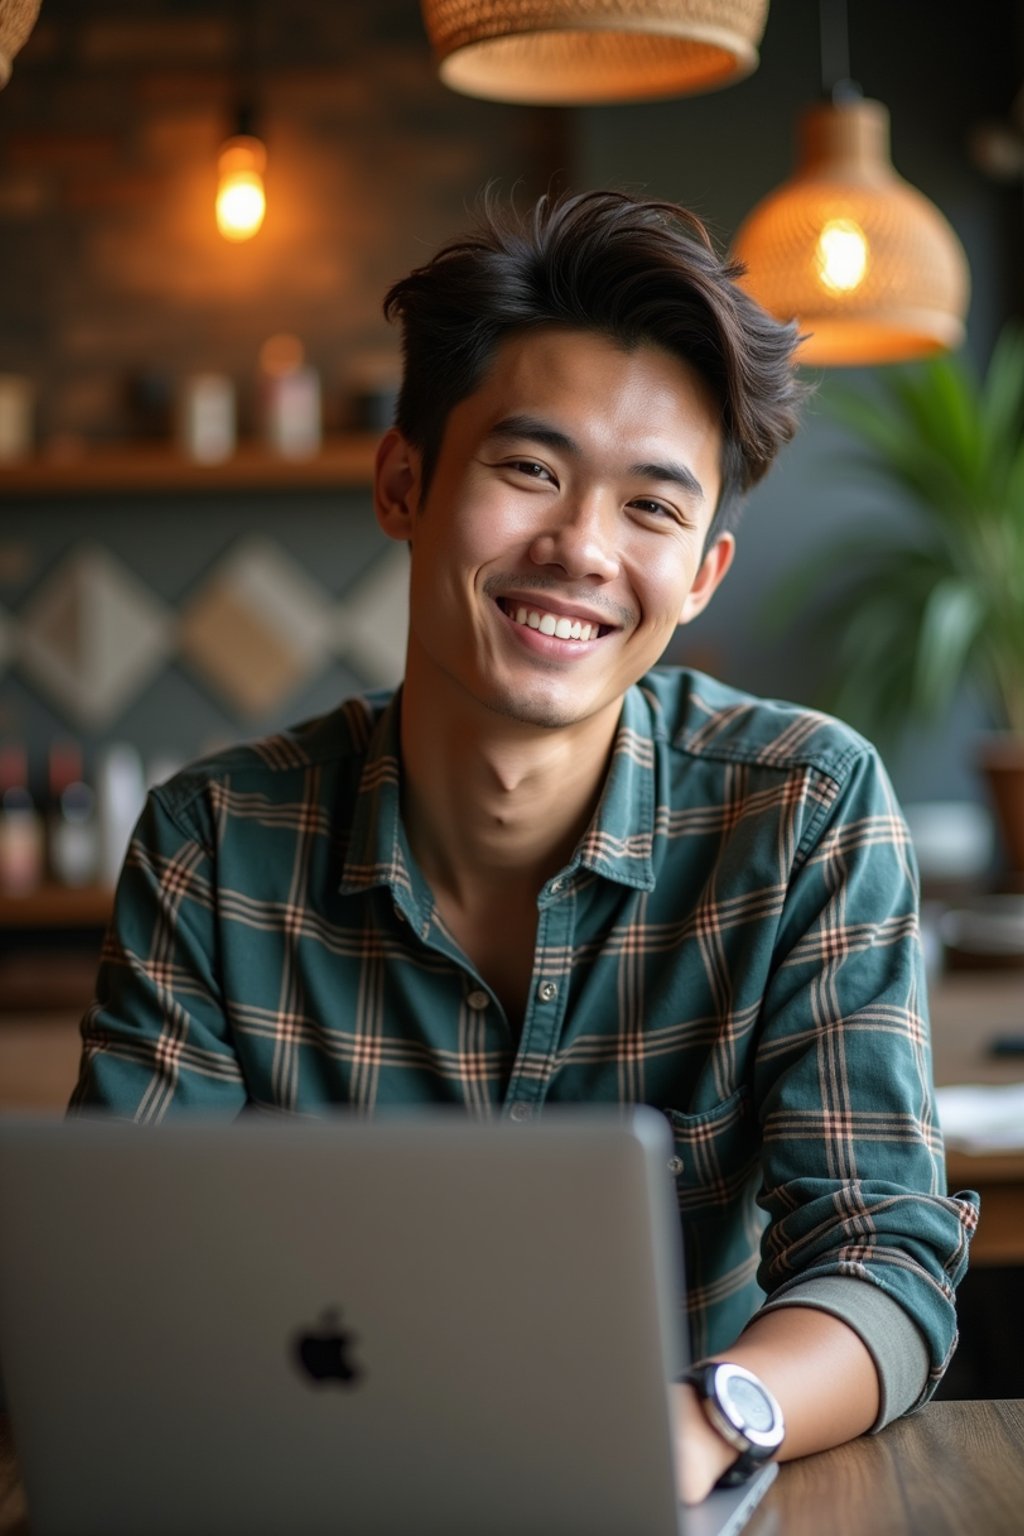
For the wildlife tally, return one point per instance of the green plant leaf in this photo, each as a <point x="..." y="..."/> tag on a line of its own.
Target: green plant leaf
<point x="905" y="618"/>
<point x="950" y="619"/>
<point x="1002" y="401"/>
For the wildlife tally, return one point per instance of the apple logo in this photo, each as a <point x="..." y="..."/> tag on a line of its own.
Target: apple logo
<point x="323" y="1352"/>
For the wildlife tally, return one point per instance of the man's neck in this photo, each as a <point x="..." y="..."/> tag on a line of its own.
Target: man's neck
<point x="492" y="804"/>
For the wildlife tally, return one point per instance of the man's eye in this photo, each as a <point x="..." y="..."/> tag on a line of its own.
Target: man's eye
<point x="531" y="468"/>
<point x="658" y="508"/>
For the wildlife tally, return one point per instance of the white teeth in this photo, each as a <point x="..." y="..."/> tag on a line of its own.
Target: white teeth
<point x="554" y="624"/>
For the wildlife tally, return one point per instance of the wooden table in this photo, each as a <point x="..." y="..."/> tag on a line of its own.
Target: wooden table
<point x="968" y="1009"/>
<point x="955" y="1469"/>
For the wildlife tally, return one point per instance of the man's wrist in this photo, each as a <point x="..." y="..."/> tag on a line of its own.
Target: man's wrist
<point x="742" y="1412"/>
<point x="704" y="1456"/>
<point x="719" y="1454"/>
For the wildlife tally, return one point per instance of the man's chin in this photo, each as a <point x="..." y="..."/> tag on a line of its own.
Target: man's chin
<point x="544" y="712"/>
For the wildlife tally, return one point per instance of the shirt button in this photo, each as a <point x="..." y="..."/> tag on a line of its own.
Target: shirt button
<point x="520" y="1112"/>
<point x="676" y="1165"/>
<point x="477" y="1000"/>
<point x="547" y="991"/>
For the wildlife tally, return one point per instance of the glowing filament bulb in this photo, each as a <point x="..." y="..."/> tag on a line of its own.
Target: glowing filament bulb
<point x="241" y="201"/>
<point x="841" y="256"/>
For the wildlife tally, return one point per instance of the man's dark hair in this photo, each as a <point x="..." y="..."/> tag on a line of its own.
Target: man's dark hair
<point x="635" y="271"/>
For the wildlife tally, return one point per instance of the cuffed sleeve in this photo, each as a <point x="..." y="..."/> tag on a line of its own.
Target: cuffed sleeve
<point x="891" y="1337"/>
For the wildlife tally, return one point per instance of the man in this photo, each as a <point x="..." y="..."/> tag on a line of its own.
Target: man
<point x="541" y="873"/>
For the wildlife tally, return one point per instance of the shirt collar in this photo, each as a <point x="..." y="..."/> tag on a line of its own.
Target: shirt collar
<point x="618" y="844"/>
<point x="378" y="850"/>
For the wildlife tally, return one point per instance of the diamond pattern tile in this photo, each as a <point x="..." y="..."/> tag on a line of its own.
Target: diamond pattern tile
<point x="371" y="626"/>
<point x="93" y="637"/>
<point x="258" y="628"/>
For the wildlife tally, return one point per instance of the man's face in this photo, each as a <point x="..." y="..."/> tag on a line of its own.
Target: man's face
<point x="561" y="539"/>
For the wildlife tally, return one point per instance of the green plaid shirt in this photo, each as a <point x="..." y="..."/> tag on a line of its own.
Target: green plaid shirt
<point x="734" y="942"/>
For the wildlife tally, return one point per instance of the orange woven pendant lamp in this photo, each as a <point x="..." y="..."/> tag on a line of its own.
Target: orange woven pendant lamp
<point x="568" y="52"/>
<point x="868" y="267"/>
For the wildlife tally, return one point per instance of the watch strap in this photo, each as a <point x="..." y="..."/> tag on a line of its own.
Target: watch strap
<point x="741" y="1470"/>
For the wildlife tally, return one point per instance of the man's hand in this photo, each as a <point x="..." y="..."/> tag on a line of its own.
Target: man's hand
<point x="703" y="1454"/>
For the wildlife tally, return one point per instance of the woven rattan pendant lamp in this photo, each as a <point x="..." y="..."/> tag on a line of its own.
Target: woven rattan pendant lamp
<point x="568" y="52"/>
<point x="868" y="267"/>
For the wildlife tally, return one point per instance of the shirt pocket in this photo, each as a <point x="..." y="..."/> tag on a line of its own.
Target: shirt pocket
<point x="715" y="1153"/>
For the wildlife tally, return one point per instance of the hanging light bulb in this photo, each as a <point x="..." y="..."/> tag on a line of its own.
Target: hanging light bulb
<point x="241" y="199"/>
<point x="571" y="51"/>
<point x="866" y="265"/>
<point x="842" y="255"/>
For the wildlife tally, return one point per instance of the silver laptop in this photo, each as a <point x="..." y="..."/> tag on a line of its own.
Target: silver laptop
<point x="411" y="1326"/>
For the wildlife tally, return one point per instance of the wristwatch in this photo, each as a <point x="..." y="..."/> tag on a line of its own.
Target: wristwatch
<point x="743" y="1411"/>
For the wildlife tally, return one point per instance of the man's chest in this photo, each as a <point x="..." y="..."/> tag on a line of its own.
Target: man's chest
<point x="499" y="940"/>
<point x="602" y="995"/>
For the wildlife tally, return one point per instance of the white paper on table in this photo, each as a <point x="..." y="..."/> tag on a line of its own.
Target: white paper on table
<point x="982" y="1117"/>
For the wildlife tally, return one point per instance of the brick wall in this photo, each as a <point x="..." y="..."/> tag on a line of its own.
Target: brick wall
<point x="115" y="285"/>
<point x="111" y="267"/>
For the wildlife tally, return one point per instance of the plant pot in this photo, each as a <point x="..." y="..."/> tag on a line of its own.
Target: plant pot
<point x="1001" y="760"/>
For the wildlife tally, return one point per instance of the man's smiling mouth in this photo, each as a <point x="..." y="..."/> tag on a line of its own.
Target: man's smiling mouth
<point x="562" y="626"/>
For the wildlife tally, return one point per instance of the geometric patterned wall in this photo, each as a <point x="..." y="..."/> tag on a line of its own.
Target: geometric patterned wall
<point x="257" y="628"/>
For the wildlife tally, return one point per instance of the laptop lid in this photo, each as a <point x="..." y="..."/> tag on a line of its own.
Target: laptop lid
<point x="413" y="1324"/>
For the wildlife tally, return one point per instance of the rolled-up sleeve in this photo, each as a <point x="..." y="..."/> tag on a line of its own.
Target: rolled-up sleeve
<point x="854" y="1180"/>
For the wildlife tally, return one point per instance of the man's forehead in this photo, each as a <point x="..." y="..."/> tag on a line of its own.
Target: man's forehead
<point x="548" y="357"/>
<point x="552" y="383"/>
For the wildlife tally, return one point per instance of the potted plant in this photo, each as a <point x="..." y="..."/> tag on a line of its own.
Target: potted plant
<point x="921" y="608"/>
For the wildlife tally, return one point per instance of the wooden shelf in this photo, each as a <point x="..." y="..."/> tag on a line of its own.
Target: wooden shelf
<point x="159" y="468"/>
<point x="46" y="984"/>
<point x="58" y="906"/>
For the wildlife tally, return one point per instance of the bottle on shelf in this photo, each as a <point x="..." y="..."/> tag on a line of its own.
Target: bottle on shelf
<point x="72" y="826"/>
<point x="121" y="792"/>
<point x="206" y="418"/>
<point x="289" y="399"/>
<point x="22" y="851"/>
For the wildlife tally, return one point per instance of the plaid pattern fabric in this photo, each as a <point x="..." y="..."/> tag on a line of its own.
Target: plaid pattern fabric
<point x="734" y="942"/>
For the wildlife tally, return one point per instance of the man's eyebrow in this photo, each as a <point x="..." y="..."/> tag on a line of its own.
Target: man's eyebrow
<point x="672" y="474"/>
<point x="534" y="429"/>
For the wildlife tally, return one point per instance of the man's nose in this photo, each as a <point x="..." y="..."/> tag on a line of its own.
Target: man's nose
<point x="581" y="540"/>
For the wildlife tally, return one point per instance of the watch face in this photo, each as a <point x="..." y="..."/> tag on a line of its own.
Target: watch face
<point x="751" y="1404"/>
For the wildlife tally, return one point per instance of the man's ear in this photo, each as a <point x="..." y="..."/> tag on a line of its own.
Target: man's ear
<point x="396" y="485"/>
<point x="712" y="573"/>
